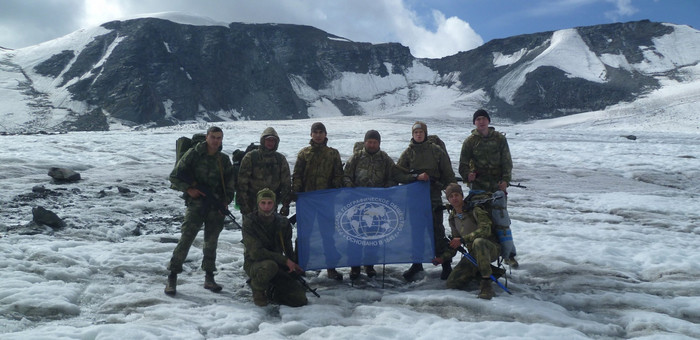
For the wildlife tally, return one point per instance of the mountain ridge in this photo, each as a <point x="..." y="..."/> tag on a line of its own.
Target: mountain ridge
<point x="156" y="72"/>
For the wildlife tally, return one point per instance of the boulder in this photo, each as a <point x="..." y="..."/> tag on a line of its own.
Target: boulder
<point x="64" y="175"/>
<point x="47" y="217"/>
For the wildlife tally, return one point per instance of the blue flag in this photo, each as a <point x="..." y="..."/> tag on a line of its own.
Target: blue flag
<point x="365" y="226"/>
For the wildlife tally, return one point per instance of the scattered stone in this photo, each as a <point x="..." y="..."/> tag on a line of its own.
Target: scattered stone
<point x="64" y="175"/>
<point x="123" y="190"/>
<point x="39" y="189"/>
<point x="46" y="217"/>
<point x="169" y="240"/>
<point x="630" y="137"/>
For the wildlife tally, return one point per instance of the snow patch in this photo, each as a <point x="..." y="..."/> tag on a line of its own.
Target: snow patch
<point x="500" y="59"/>
<point x="567" y="51"/>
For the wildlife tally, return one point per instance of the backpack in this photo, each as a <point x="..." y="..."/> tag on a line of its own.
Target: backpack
<point x="183" y="144"/>
<point x="237" y="157"/>
<point x="437" y="141"/>
<point x="496" y="207"/>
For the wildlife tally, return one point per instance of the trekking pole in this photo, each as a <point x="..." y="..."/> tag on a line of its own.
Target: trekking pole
<point x="473" y="261"/>
<point x="517" y="186"/>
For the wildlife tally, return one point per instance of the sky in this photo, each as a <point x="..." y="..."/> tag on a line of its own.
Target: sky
<point x="431" y="29"/>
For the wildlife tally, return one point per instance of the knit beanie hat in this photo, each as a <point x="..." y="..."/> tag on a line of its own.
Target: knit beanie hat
<point x="420" y="125"/>
<point x="266" y="194"/>
<point x="452" y="188"/>
<point x="318" y="126"/>
<point x="373" y="134"/>
<point x="480" y="113"/>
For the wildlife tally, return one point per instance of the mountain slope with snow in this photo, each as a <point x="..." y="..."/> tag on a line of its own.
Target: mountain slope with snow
<point x="170" y="68"/>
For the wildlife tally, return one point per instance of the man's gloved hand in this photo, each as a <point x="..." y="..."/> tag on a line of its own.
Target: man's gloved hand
<point x="284" y="211"/>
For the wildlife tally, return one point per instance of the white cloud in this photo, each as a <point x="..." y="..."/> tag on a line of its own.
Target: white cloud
<point x="623" y="8"/>
<point x="375" y="21"/>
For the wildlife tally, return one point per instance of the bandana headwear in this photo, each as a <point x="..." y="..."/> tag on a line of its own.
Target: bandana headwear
<point x="266" y="194"/>
<point x="420" y="125"/>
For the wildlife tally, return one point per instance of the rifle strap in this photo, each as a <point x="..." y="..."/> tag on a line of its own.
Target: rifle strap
<point x="223" y="183"/>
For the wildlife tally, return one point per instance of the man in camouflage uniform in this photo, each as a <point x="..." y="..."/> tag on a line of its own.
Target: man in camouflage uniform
<point x="319" y="167"/>
<point x="370" y="167"/>
<point x="425" y="161"/>
<point x="473" y="229"/>
<point x="203" y="165"/>
<point x="485" y="161"/>
<point x="267" y="237"/>
<point x="264" y="168"/>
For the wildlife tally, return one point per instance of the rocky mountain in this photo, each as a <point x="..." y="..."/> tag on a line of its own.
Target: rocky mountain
<point x="155" y="72"/>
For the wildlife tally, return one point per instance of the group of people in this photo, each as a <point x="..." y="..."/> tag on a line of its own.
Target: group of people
<point x="264" y="183"/>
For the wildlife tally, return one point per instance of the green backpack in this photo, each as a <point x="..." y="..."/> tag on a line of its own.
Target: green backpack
<point x="183" y="144"/>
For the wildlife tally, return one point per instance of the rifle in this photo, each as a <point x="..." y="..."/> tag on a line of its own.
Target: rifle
<point x="209" y="199"/>
<point x="304" y="283"/>
<point x="460" y="179"/>
<point x="473" y="261"/>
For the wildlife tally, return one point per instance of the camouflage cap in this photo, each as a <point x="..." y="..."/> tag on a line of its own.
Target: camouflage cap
<point x="318" y="126"/>
<point x="266" y="194"/>
<point x="373" y="134"/>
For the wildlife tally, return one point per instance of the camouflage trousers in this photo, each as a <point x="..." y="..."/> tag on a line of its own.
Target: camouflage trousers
<point x="279" y="286"/>
<point x="213" y="225"/>
<point x="485" y="252"/>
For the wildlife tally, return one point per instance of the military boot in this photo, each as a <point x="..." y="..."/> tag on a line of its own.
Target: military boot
<point x="411" y="272"/>
<point x="512" y="262"/>
<point x="210" y="284"/>
<point x="170" y="288"/>
<point x="333" y="274"/>
<point x="259" y="298"/>
<point x="446" y="270"/>
<point x="355" y="272"/>
<point x="486" y="292"/>
<point x="370" y="271"/>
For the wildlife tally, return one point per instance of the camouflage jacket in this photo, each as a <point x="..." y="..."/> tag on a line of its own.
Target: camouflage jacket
<point x="318" y="167"/>
<point x="471" y="225"/>
<point x="266" y="240"/>
<point x="263" y="168"/>
<point x="369" y="170"/>
<point x="488" y="157"/>
<point x="205" y="170"/>
<point x="429" y="158"/>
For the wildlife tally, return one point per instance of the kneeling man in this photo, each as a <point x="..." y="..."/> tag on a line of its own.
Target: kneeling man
<point x="267" y="237"/>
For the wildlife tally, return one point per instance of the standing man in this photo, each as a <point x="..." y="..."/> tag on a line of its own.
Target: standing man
<point x="319" y="167"/>
<point x="425" y="161"/>
<point x="203" y="166"/>
<point x="264" y="168"/>
<point x="370" y="167"/>
<point x="486" y="164"/>
<point x="267" y="237"/>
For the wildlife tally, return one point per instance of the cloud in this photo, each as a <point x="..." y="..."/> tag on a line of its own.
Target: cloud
<point x="28" y="22"/>
<point x="623" y="8"/>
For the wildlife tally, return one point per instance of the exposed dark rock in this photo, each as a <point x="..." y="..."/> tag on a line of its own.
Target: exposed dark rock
<point x="160" y="73"/>
<point x="47" y="217"/>
<point x="63" y="175"/>
<point x="630" y="137"/>
<point x="123" y="190"/>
